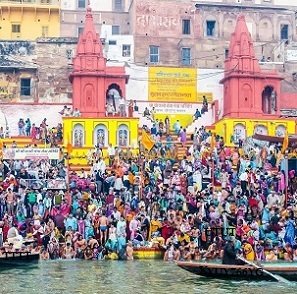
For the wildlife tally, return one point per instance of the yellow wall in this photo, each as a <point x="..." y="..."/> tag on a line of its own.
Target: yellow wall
<point x="31" y="20"/>
<point x="79" y="153"/>
<point x="225" y="127"/>
<point x="184" y="119"/>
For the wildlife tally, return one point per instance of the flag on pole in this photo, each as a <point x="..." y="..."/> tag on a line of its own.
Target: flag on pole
<point x="285" y="143"/>
<point x="147" y="140"/>
<point x="69" y="146"/>
<point x="213" y="142"/>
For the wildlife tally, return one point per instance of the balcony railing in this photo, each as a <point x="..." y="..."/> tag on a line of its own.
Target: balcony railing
<point x="31" y="2"/>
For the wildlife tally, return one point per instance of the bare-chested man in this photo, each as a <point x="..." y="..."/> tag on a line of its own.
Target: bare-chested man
<point x="103" y="226"/>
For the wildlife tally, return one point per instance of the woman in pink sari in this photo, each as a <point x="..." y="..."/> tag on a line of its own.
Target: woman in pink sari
<point x="282" y="182"/>
<point x="33" y="132"/>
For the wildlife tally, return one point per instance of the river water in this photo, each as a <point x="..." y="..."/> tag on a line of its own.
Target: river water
<point x="137" y="277"/>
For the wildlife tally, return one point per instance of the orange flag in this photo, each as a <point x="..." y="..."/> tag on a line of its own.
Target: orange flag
<point x="69" y="146"/>
<point x="213" y="142"/>
<point x="285" y="143"/>
<point x="147" y="140"/>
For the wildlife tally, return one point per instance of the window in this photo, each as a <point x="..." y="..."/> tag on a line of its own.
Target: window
<point x="118" y="4"/>
<point x="26" y="87"/>
<point x="126" y="50"/>
<point x="15" y="28"/>
<point x="101" y="136"/>
<point x="186" y="27"/>
<point x="81" y="4"/>
<point x="123" y="136"/>
<point x="115" y="30"/>
<point x="284" y="32"/>
<point x="154" y="54"/>
<point x="112" y="42"/>
<point x="80" y="31"/>
<point x="44" y="31"/>
<point x="210" y="28"/>
<point x="186" y="56"/>
<point x="78" y="135"/>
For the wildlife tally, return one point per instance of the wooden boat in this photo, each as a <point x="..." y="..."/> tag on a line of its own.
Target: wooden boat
<point x="148" y="253"/>
<point x="18" y="259"/>
<point x="238" y="272"/>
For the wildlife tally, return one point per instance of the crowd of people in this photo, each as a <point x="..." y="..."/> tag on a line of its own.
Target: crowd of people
<point x="190" y="209"/>
<point x="40" y="133"/>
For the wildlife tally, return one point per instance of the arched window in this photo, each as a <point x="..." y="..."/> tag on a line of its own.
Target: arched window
<point x="78" y="138"/>
<point x="123" y="136"/>
<point x="261" y="130"/>
<point x="280" y="131"/>
<point x="100" y="136"/>
<point x="239" y="133"/>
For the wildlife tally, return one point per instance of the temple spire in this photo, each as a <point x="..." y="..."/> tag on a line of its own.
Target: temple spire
<point x="89" y="53"/>
<point x="241" y="50"/>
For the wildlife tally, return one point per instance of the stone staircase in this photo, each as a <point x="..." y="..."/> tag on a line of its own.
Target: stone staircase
<point x="203" y="121"/>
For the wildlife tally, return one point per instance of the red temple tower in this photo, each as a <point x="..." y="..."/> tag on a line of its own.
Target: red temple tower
<point x="93" y="82"/>
<point x="249" y="92"/>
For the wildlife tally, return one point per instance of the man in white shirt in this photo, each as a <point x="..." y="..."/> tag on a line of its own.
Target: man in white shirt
<point x="111" y="153"/>
<point x="122" y="107"/>
<point x="76" y="113"/>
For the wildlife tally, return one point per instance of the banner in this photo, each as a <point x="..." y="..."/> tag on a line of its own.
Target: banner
<point x="174" y="108"/>
<point x="31" y="153"/>
<point x="170" y="84"/>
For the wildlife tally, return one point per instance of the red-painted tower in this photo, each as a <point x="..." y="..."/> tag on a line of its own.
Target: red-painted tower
<point x="249" y="92"/>
<point x="94" y="82"/>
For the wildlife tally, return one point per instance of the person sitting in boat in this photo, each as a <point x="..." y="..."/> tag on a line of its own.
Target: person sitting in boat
<point x="271" y="256"/>
<point x="248" y="251"/>
<point x="229" y="253"/>
<point x="14" y="237"/>
<point x="288" y="254"/>
<point x="259" y="250"/>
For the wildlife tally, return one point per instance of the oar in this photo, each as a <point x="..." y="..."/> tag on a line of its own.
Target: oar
<point x="276" y="278"/>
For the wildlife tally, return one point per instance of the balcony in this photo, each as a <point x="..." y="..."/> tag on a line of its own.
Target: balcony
<point x="31" y="3"/>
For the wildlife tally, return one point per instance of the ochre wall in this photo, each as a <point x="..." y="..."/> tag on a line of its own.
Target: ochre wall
<point x="225" y="127"/>
<point x="32" y="20"/>
<point x="79" y="153"/>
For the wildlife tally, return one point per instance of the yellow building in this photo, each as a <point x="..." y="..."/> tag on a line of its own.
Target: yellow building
<point x="232" y="129"/>
<point x="30" y="19"/>
<point x="85" y="133"/>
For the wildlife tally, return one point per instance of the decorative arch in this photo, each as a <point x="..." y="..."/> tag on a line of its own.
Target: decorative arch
<point x="280" y="131"/>
<point x="261" y="130"/>
<point x="123" y="136"/>
<point x="265" y="29"/>
<point x="78" y="135"/>
<point x="113" y="95"/>
<point x="100" y="136"/>
<point x="247" y="94"/>
<point x="89" y="96"/>
<point x="228" y="28"/>
<point x="239" y="132"/>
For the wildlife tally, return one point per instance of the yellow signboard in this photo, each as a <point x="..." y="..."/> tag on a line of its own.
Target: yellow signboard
<point x="172" y="84"/>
